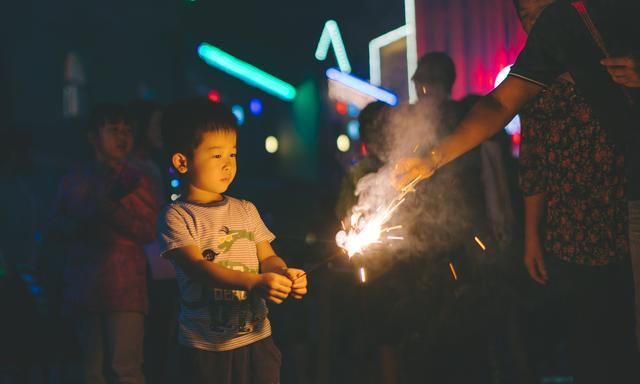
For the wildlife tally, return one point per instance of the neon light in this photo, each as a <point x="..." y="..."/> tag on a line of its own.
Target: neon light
<point x="353" y="130"/>
<point x="409" y="31"/>
<point x="238" y="111"/>
<point x="362" y="86"/>
<point x="271" y="144"/>
<point x="341" y="108"/>
<point x="331" y="36"/>
<point x="343" y="143"/>
<point x="255" y="106"/>
<point x="412" y="46"/>
<point x="214" y="96"/>
<point x="246" y="72"/>
<point x="340" y="92"/>
<point x="353" y="110"/>
<point x="375" y="73"/>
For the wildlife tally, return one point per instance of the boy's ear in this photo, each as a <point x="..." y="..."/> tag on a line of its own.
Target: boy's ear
<point x="179" y="162"/>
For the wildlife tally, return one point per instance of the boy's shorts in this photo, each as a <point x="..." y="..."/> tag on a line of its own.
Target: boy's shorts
<point x="256" y="363"/>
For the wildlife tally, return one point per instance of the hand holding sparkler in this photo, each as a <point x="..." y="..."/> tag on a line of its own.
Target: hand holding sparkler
<point x="407" y="170"/>
<point x="298" y="279"/>
<point x="273" y="286"/>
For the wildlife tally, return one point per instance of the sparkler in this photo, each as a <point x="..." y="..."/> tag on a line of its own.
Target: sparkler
<point x="453" y="271"/>
<point x="365" y="232"/>
<point x="480" y="243"/>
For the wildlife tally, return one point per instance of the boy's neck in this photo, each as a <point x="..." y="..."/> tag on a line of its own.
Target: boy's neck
<point x="195" y="195"/>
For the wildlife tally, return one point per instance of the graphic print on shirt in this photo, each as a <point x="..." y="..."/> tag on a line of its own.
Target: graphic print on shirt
<point x="224" y="304"/>
<point x="232" y="311"/>
<point x="231" y="236"/>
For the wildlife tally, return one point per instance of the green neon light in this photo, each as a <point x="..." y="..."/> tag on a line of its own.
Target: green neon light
<point x="331" y="36"/>
<point x="246" y="72"/>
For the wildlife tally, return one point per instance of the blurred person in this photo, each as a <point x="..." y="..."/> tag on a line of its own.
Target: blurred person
<point x="220" y="248"/>
<point x="573" y="181"/>
<point x="105" y="213"/>
<point x="160" y="326"/>
<point x="349" y="298"/>
<point x="451" y="211"/>
<point x="372" y="119"/>
<point x="561" y="42"/>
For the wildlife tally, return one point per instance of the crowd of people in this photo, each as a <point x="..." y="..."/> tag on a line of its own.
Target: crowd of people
<point x="141" y="287"/>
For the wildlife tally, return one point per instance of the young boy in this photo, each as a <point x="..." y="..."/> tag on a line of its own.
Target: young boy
<point x="221" y="250"/>
<point x="104" y="214"/>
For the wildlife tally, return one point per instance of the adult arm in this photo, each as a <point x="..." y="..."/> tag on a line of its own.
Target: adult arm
<point x="489" y="115"/>
<point x="533" y="256"/>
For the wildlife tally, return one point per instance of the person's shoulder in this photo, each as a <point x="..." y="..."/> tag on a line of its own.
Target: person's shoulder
<point x="246" y="205"/>
<point x="175" y="208"/>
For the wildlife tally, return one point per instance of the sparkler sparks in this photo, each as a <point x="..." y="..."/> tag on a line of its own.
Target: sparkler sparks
<point x="453" y="271"/>
<point x="363" y="277"/>
<point x="367" y="231"/>
<point x="480" y="243"/>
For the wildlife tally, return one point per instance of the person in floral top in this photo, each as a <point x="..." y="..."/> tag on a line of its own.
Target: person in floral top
<point x="567" y="157"/>
<point x="576" y="230"/>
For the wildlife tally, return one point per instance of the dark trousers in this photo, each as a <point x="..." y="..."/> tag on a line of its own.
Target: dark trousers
<point x="591" y="308"/>
<point x="256" y="363"/>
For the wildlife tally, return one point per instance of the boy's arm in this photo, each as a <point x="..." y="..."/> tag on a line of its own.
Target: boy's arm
<point x="272" y="286"/>
<point x="270" y="262"/>
<point x="533" y="258"/>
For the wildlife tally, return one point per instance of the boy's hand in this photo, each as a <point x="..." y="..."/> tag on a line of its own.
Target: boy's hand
<point x="534" y="262"/>
<point x="623" y="70"/>
<point x="273" y="287"/>
<point x="299" y="280"/>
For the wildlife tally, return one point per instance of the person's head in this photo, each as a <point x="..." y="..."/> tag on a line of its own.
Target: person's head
<point x="146" y="118"/>
<point x="529" y="10"/>
<point x="434" y="76"/>
<point x="111" y="133"/>
<point x="200" y="138"/>
<point x="372" y="120"/>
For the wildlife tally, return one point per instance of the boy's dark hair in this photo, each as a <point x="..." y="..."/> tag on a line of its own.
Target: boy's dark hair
<point x="184" y="122"/>
<point x="105" y="113"/>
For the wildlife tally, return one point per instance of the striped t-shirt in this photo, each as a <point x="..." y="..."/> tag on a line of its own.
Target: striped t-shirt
<point x="226" y="232"/>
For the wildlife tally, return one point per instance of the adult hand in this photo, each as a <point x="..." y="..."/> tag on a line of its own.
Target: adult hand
<point x="623" y="70"/>
<point x="299" y="282"/>
<point x="534" y="262"/>
<point x="407" y="170"/>
<point x="273" y="287"/>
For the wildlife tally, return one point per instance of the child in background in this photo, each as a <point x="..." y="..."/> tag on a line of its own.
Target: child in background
<point x="221" y="250"/>
<point x="105" y="211"/>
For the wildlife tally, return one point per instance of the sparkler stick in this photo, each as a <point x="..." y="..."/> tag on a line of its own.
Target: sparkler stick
<point x="318" y="265"/>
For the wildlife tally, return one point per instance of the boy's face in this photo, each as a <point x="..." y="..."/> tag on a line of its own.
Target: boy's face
<point x="113" y="141"/>
<point x="213" y="166"/>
